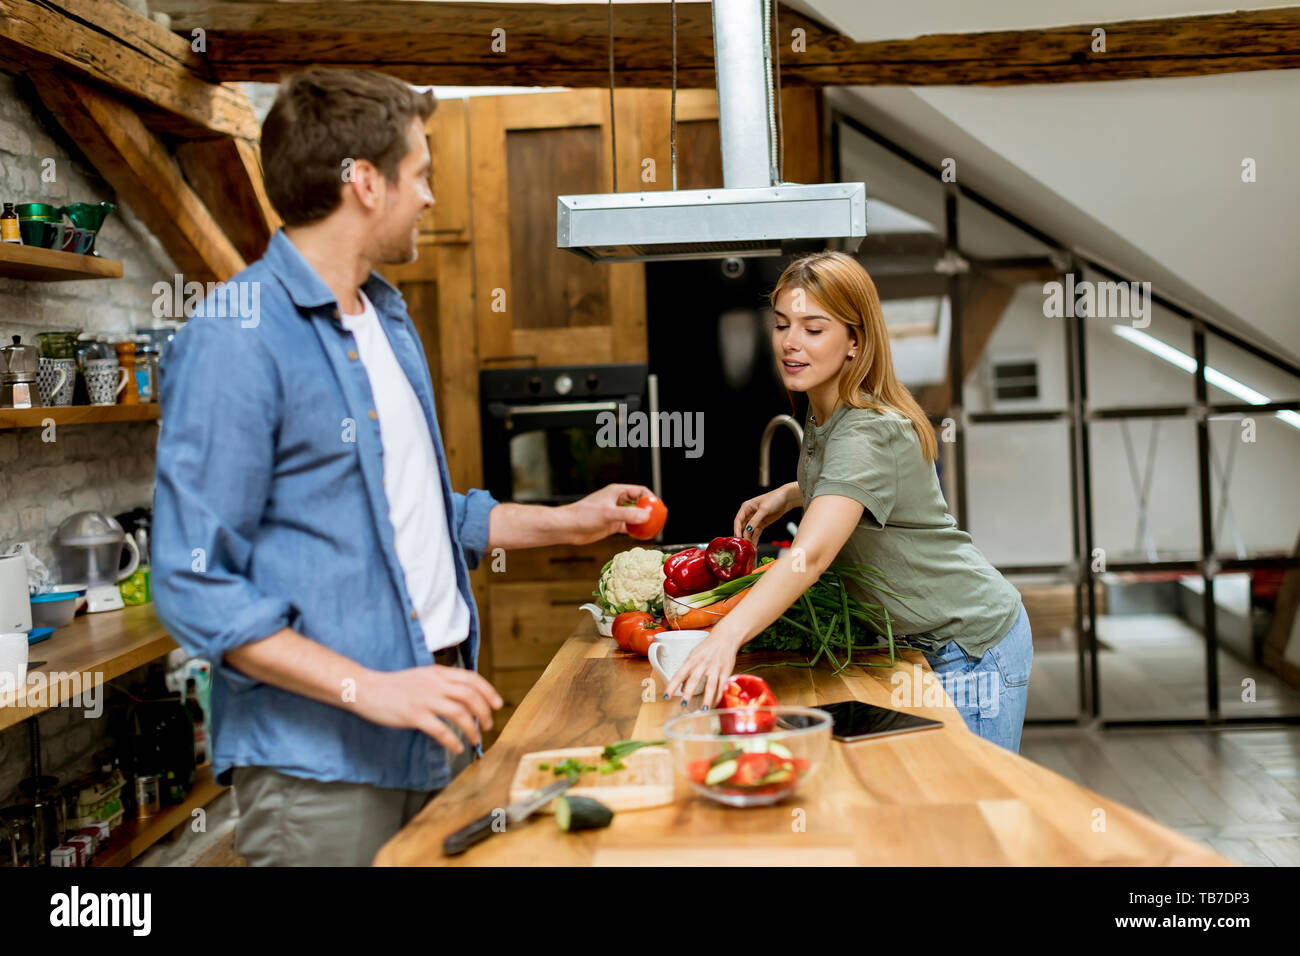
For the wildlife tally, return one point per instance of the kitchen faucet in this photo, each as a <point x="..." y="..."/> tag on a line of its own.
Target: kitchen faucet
<point x="765" y="446"/>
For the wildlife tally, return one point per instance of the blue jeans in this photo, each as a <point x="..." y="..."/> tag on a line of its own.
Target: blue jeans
<point x="990" y="692"/>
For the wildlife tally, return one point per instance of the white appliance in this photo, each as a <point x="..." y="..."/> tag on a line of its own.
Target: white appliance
<point x="15" y="607"/>
<point x="89" y="548"/>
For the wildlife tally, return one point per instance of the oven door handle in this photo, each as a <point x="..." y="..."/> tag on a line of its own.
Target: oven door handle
<point x="561" y="407"/>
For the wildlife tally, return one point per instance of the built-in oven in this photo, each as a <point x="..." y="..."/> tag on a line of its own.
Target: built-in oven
<point x="553" y="435"/>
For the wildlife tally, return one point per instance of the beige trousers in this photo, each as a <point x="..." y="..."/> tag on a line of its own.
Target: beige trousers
<point x="292" y="821"/>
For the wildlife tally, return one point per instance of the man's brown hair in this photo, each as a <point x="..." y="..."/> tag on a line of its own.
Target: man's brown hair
<point x="322" y="118"/>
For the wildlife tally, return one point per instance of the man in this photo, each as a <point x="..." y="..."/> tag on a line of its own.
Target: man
<point x="307" y="539"/>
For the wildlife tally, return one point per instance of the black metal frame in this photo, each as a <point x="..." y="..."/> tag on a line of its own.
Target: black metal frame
<point x="1080" y="416"/>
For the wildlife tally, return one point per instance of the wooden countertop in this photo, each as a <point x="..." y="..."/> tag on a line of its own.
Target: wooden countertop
<point x="937" y="797"/>
<point x="84" y="653"/>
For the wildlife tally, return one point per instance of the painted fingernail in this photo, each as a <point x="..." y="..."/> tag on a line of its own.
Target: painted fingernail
<point x="683" y="703"/>
<point x="665" y="696"/>
<point x="706" y="707"/>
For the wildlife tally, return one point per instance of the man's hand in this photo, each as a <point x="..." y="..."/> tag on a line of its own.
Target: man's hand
<point x="602" y="513"/>
<point x="596" y="516"/>
<point x="419" y="697"/>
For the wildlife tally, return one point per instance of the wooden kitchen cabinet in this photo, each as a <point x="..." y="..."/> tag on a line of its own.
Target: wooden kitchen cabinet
<point x="532" y="607"/>
<point x="537" y="304"/>
<point x="530" y="621"/>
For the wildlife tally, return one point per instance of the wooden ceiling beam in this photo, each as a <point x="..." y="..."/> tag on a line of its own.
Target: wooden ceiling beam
<point x="104" y="42"/>
<point x="136" y="163"/>
<point x="227" y="175"/>
<point x="566" y="45"/>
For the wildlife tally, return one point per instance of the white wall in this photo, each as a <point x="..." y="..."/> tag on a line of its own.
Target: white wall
<point x="1019" y="474"/>
<point x="1144" y="175"/>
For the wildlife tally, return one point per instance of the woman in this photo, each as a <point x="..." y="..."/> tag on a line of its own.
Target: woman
<point x="870" y="494"/>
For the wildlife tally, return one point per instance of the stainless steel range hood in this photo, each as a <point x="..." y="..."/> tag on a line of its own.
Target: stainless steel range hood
<point x="753" y="215"/>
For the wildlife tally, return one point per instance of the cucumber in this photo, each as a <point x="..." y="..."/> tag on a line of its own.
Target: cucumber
<point x="780" y="775"/>
<point x="581" y="813"/>
<point x="720" y="773"/>
<point x="761" y="745"/>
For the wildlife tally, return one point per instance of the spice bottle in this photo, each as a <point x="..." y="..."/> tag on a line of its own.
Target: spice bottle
<point x="9" y="225"/>
<point x="126" y="360"/>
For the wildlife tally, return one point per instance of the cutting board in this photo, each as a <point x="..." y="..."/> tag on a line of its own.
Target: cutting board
<point x="646" y="780"/>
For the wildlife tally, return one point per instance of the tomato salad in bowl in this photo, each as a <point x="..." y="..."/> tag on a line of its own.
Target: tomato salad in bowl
<point x="749" y="769"/>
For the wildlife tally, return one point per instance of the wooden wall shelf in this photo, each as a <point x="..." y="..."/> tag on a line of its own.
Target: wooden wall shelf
<point x="77" y="415"/>
<point x="133" y="837"/>
<point x="101" y="647"/>
<point x="51" y="265"/>
<point x="98" y="647"/>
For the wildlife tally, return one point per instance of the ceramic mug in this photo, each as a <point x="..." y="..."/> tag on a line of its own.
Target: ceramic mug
<point x="56" y="379"/>
<point x="669" y="650"/>
<point x="105" y="380"/>
<point x="13" y="664"/>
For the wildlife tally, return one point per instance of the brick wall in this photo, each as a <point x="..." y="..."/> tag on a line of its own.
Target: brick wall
<point x="100" y="467"/>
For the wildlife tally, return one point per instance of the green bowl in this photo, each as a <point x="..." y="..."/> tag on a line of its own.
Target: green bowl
<point x="38" y="210"/>
<point x="86" y="215"/>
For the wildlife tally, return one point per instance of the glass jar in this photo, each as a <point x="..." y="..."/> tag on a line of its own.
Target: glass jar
<point x="57" y="344"/>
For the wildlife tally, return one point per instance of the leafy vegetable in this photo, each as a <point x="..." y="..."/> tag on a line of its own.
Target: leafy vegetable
<point x="828" y="620"/>
<point x="612" y="757"/>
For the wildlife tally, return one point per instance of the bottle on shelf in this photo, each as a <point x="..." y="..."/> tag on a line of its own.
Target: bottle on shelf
<point x="9" y="225"/>
<point x="200" y="724"/>
<point x="164" y="745"/>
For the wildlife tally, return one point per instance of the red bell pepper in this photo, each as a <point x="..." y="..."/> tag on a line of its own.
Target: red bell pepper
<point x="687" y="572"/>
<point x="748" y="692"/>
<point x="730" y="557"/>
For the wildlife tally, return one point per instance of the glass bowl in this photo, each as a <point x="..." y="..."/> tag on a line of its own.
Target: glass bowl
<point x="749" y="769"/>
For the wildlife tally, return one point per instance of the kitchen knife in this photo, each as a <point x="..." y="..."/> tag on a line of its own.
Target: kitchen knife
<point x="517" y="812"/>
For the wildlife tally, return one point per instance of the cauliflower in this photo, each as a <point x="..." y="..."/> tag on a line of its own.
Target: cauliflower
<point x="633" y="580"/>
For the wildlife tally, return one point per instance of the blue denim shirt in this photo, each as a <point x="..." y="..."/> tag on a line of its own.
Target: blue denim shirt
<point x="270" y="512"/>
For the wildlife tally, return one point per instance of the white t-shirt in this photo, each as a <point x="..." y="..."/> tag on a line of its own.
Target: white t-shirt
<point x="412" y="485"/>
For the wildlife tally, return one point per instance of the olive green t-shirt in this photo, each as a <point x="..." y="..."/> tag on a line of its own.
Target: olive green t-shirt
<point x="951" y="590"/>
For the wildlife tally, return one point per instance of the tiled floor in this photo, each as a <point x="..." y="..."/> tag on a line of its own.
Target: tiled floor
<point x="1237" y="791"/>
<point x="1153" y="666"/>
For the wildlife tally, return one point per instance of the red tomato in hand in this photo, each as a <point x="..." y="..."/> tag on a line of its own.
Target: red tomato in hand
<point x="643" y="635"/>
<point x="624" y="624"/>
<point x="655" y="523"/>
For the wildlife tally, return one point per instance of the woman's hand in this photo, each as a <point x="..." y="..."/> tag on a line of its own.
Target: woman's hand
<point x="708" y="668"/>
<point x="757" y="513"/>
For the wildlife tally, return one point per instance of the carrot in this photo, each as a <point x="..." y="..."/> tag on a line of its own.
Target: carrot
<point x="705" y="617"/>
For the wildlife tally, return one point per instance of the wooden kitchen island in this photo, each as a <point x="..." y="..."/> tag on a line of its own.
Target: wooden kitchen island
<point x="936" y="797"/>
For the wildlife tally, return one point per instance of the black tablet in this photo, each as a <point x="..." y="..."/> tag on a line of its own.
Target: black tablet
<point x="855" y="720"/>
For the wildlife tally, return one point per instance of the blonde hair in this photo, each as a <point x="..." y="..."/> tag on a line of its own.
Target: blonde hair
<point x="842" y="285"/>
